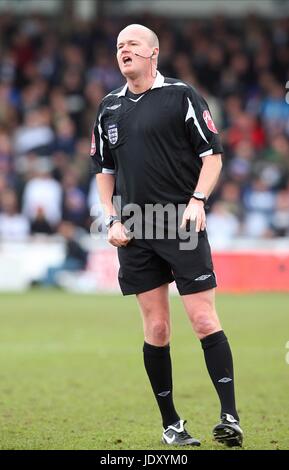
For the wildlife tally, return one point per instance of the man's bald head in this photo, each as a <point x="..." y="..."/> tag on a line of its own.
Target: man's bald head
<point x="142" y="31"/>
<point x="135" y="44"/>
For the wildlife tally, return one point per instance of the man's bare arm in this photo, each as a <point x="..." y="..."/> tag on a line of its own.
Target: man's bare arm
<point x="210" y="172"/>
<point x="117" y="233"/>
<point x="209" y="175"/>
<point x="105" y="184"/>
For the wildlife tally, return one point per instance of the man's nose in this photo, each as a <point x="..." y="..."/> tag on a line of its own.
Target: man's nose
<point x="125" y="50"/>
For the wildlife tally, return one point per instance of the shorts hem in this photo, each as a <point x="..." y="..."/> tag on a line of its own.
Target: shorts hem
<point x="147" y="288"/>
<point x="196" y="289"/>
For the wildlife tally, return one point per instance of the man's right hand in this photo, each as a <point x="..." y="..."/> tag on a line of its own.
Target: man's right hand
<point x="117" y="235"/>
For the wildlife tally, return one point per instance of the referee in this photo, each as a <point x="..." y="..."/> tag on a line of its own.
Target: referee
<point x="154" y="142"/>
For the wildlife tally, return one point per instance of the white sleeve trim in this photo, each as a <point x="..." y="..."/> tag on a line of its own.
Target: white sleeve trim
<point x="191" y="114"/>
<point x="175" y="84"/>
<point x="108" y="171"/>
<point x="100" y="138"/>
<point x="208" y="152"/>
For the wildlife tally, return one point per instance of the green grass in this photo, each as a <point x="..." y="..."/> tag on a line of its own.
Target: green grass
<point x="72" y="377"/>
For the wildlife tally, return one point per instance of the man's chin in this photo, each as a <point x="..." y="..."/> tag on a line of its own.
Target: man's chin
<point x="131" y="74"/>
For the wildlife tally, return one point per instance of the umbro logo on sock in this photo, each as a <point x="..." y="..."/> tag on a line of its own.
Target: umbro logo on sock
<point x="164" y="394"/>
<point x="224" y="380"/>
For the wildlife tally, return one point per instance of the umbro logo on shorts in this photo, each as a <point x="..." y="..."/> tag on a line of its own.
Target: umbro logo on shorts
<point x="203" y="277"/>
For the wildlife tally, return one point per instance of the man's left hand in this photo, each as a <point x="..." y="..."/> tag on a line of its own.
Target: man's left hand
<point x="195" y="211"/>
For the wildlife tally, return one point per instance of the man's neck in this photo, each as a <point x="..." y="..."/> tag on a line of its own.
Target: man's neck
<point x="140" y="84"/>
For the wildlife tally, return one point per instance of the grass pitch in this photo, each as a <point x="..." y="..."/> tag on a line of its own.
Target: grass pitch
<point x="72" y="377"/>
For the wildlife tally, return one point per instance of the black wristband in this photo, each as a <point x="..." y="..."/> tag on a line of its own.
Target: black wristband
<point x="199" y="199"/>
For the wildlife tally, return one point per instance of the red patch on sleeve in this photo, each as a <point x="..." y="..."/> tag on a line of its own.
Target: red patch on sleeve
<point x="93" y="146"/>
<point x="209" y="122"/>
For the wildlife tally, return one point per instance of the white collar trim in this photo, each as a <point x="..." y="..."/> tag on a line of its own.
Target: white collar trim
<point x="158" y="83"/>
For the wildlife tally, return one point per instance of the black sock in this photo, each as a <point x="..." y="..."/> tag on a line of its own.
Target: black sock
<point x="158" y="365"/>
<point x="219" y="363"/>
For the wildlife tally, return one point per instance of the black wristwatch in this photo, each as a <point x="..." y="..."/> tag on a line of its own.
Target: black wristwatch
<point x="200" y="197"/>
<point x="110" y="220"/>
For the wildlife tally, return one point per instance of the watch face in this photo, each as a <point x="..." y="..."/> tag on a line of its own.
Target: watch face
<point x="199" y="195"/>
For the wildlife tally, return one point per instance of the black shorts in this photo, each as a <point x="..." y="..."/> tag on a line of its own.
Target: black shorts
<point x="147" y="264"/>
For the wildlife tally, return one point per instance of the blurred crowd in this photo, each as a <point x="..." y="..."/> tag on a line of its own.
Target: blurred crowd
<point x="53" y="75"/>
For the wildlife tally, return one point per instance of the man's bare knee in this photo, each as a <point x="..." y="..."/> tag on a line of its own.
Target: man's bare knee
<point x="158" y="333"/>
<point x="205" y="324"/>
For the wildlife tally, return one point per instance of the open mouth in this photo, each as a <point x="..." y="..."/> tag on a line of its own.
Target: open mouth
<point x="126" y="60"/>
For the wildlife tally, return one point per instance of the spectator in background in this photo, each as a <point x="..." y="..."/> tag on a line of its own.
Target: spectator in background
<point x="36" y="134"/>
<point x="240" y="166"/>
<point x="231" y="194"/>
<point x="259" y="202"/>
<point x="40" y="225"/>
<point x="74" y="207"/>
<point x="48" y="60"/>
<point x="33" y="95"/>
<point x="3" y="183"/>
<point x="274" y="109"/>
<point x="42" y="191"/>
<point x="75" y="256"/>
<point x="65" y="136"/>
<point x="13" y="226"/>
<point x="280" y="218"/>
<point x="80" y="162"/>
<point x="6" y="159"/>
<point x="74" y="200"/>
<point x="259" y="198"/>
<point x="8" y="103"/>
<point x="105" y="71"/>
<point x="278" y="152"/>
<point x="222" y="225"/>
<point x="94" y="92"/>
<point x="73" y="88"/>
<point x="245" y="127"/>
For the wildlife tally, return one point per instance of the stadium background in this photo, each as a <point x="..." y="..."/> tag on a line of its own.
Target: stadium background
<point x="70" y="361"/>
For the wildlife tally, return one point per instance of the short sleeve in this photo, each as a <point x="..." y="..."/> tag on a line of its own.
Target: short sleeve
<point x="101" y="158"/>
<point x="200" y="126"/>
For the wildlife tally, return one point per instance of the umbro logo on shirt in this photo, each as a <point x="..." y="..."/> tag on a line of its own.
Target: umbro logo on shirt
<point x="115" y="106"/>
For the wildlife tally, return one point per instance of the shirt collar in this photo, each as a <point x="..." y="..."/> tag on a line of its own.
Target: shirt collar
<point x="158" y="83"/>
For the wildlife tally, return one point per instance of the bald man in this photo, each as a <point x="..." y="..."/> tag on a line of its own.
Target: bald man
<point x="155" y="143"/>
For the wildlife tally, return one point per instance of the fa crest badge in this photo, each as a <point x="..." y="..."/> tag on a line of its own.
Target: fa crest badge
<point x="112" y="133"/>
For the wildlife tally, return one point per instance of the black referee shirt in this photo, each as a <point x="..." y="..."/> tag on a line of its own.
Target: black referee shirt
<point x="154" y="142"/>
